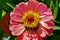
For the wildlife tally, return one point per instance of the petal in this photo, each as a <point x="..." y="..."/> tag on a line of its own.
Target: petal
<point x="30" y="35"/>
<point x="50" y="23"/>
<point x="41" y="32"/>
<point x="47" y="12"/>
<point x="45" y="25"/>
<point x="20" y="37"/>
<point x="47" y="18"/>
<point x="26" y="38"/>
<point x="23" y="36"/>
<point x="46" y="28"/>
<point x="14" y="22"/>
<point x="20" y="8"/>
<point x="15" y="17"/>
<point x="41" y="8"/>
<point x="17" y="29"/>
<point x="32" y="5"/>
<point x="48" y="31"/>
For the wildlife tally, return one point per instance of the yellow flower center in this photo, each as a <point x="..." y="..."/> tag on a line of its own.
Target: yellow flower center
<point x="30" y="19"/>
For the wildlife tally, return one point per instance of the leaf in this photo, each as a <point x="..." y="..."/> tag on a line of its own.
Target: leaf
<point x="51" y="4"/>
<point x="56" y="28"/>
<point x="3" y="13"/>
<point x="57" y="21"/>
<point x="55" y="9"/>
<point x="4" y="6"/>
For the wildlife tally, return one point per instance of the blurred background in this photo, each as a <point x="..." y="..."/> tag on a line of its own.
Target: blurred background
<point x="7" y="6"/>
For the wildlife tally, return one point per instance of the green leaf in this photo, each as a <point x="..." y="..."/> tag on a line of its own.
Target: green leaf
<point x="4" y="6"/>
<point x="51" y="4"/>
<point x="57" y="21"/>
<point x="59" y="4"/>
<point x="56" y="28"/>
<point x="55" y="9"/>
<point x="3" y="13"/>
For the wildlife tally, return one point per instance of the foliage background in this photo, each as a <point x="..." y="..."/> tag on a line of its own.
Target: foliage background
<point x="8" y="5"/>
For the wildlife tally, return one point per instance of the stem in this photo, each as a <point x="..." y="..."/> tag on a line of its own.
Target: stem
<point x="10" y="5"/>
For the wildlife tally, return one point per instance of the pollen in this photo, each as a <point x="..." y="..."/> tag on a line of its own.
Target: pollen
<point x="30" y="19"/>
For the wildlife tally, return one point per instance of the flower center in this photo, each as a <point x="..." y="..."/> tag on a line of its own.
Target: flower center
<point x="30" y="19"/>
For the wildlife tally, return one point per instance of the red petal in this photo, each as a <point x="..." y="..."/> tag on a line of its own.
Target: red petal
<point x="14" y="22"/>
<point x="20" y="37"/>
<point x="20" y="8"/>
<point x="46" y="28"/>
<point x="41" y="8"/>
<point x="47" y="18"/>
<point x="32" y="5"/>
<point x="49" y="31"/>
<point x="15" y="17"/>
<point x="29" y="35"/>
<point x="50" y="23"/>
<point x="40" y="32"/>
<point x="17" y="29"/>
<point x="47" y="12"/>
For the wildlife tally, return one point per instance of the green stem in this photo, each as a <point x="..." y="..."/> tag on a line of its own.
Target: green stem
<point x="10" y="5"/>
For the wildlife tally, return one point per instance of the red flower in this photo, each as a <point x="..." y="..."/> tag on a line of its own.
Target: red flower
<point x="5" y="25"/>
<point x="31" y="21"/>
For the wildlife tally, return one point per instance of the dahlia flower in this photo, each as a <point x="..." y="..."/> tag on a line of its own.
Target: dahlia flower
<point x="31" y="20"/>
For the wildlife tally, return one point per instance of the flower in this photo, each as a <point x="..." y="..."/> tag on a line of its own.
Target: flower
<point x="31" y="20"/>
<point x="5" y="24"/>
